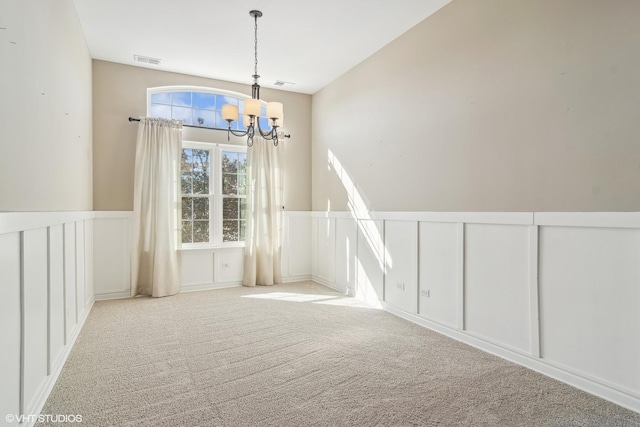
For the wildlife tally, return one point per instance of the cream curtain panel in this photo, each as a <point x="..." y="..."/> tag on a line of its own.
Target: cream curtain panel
<point x="263" y="241"/>
<point x="155" y="267"/>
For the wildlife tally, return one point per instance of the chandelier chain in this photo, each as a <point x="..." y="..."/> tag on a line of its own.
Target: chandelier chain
<point x="255" y="46"/>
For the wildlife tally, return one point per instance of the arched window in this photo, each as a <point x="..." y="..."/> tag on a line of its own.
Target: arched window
<point x="198" y="106"/>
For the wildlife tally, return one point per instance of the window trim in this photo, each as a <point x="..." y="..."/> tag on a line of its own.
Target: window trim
<point x="215" y="195"/>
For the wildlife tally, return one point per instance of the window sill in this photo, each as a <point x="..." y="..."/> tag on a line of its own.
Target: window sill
<point x="212" y="247"/>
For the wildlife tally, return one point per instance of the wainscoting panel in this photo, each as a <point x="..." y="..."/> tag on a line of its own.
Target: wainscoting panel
<point x="297" y="245"/>
<point x="439" y="269"/>
<point x="230" y="266"/>
<point x="56" y="295"/>
<point x="81" y="280"/>
<point x="112" y="252"/>
<point x="89" y="264"/>
<point x="370" y="261"/>
<point x="346" y="245"/>
<point x="326" y="251"/>
<point x="196" y="268"/>
<point x="401" y="265"/>
<point x="34" y="258"/>
<point x="70" y="275"/>
<point x="42" y="255"/>
<point x="286" y="241"/>
<point x="211" y="268"/>
<point x="497" y="284"/>
<point x="10" y="329"/>
<point x="590" y="302"/>
<point x="314" y="247"/>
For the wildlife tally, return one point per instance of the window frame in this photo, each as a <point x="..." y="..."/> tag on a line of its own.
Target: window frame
<point x="215" y="194"/>
<point x="202" y="89"/>
<point x="215" y="174"/>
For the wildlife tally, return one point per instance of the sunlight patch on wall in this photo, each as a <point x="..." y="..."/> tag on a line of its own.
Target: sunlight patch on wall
<point x="359" y="211"/>
<point x="366" y="290"/>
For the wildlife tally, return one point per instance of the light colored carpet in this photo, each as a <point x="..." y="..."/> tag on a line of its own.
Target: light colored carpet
<point x="297" y="355"/>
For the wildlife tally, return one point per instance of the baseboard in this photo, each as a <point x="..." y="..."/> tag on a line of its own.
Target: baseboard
<point x="209" y="286"/>
<point x="198" y="287"/>
<point x="293" y="279"/>
<point x="222" y="285"/>
<point x="113" y="295"/>
<point x="591" y="386"/>
<point x="51" y="379"/>
<point x="328" y="284"/>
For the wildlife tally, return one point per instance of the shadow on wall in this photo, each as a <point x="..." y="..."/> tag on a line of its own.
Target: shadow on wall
<point x="372" y="257"/>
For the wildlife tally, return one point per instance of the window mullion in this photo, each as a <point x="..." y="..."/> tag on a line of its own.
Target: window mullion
<point x="218" y="196"/>
<point x="213" y="192"/>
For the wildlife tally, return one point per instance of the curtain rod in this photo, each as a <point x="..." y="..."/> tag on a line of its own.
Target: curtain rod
<point x="133" y="119"/>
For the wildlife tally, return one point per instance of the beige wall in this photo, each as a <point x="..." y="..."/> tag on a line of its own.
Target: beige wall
<point x="45" y="108"/>
<point x="120" y="91"/>
<point x="494" y="105"/>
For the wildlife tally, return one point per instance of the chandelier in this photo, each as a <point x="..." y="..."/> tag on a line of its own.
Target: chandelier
<point x="252" y="106"/>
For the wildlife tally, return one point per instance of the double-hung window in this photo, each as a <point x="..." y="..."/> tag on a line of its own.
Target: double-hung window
<point x="213" y="181"/>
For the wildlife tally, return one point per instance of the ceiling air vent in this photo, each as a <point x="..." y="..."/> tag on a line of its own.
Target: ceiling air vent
<point x="283" y="83"/>
<point x="146" y="59"/>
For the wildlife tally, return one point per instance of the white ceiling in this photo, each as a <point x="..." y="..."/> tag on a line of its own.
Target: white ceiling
<point x="307" y="42"/>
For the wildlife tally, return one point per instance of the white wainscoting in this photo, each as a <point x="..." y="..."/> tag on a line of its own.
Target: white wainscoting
<point x="202" y="268"/>
<point x="556" y="292"/>
<point x="46" y="292"/>
<point x="296" y="247"/>
<point x="211" y="268"/>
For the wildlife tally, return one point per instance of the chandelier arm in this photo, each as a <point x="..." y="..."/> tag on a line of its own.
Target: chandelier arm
<point x="271" y="135"/>
<point x="268" y="135"/>
<point x="238" y="132"/>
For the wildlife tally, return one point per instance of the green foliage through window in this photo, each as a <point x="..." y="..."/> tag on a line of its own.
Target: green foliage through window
<point x="195" y="175"/>
<point x="199" y="177"/>
<point x="234" y="193"/>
